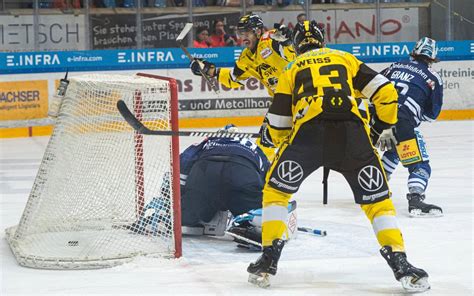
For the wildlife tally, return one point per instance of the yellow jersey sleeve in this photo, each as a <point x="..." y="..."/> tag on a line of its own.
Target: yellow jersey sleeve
<point x="279" y="116"/>
<point x="231" y="77"/>
<point x="378" y="89"/>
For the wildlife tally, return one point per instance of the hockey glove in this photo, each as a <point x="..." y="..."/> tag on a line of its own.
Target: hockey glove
<point x="387" y="140"/>
<point x="199" y="67"/>
<point x="282" y="34"/>
<point x="382" y="134"/>
<point x="265" y="137"/>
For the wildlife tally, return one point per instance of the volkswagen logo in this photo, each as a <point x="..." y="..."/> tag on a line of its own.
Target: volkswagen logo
<point x="370" y="178"/>
<point x="290" y="171"/>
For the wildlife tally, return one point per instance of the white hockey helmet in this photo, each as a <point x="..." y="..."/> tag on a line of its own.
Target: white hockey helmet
<point x="426" y="47"/>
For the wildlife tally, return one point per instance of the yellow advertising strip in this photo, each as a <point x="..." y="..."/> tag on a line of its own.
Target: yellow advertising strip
<point x="20" y="100"/>
<point x="457" y="114"/>
<point x="209" y="123"/>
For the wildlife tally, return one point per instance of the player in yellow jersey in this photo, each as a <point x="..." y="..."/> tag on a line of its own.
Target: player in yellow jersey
<point x="265" y="56"/>
<point x="316" y="121"/>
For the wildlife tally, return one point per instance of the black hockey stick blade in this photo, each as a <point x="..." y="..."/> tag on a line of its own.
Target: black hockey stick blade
<point x="140" y="128"/>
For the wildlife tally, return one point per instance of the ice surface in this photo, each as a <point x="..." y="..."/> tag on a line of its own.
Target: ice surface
<point x="346" y="262"/>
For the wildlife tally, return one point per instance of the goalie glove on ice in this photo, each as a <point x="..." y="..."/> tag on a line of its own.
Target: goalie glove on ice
<point x="199" y="66"/>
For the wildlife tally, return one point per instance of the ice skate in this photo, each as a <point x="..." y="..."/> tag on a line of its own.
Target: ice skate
<point x="418" y="209"/>
<point x="413" y="279"/>
<point x="266" y="265"/>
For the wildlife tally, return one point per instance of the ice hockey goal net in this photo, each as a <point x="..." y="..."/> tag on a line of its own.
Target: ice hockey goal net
<point x="104" y="194"/>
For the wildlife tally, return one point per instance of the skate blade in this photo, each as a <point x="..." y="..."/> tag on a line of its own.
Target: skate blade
<point x="415" y="285"/>
<point x="431" y="214"/>
<point x="262" y="280"/>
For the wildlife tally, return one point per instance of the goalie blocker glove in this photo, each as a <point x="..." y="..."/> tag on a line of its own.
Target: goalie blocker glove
<point x="200" y="66"/>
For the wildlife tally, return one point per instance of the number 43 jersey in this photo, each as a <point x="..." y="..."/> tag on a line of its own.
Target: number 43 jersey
<point x="316" y="76"/>
<point x="420" y="90"/>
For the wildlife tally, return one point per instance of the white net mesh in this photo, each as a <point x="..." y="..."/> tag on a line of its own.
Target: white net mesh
<point x="102" y="194"/>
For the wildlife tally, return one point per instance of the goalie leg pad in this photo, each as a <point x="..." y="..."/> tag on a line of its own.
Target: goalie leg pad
<point x="217" y="225"/>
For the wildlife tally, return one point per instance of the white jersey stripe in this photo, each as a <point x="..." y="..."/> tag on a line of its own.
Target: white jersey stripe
<point x="414" y="104"/>
<point x="384" y="222"/>
<point x="274" y="213"/>
<point x="280" y="121"/>
<point x="411" y="180"/>
<point x="389" y="164"/>
<point x="373" y="85"/>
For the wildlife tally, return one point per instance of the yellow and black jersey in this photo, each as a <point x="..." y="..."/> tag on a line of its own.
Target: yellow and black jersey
<point x="266" y="64"/>
<point x="305" y="81"/>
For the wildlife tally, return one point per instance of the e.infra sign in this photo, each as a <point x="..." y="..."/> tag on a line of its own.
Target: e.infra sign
<point x="20" y="100"/>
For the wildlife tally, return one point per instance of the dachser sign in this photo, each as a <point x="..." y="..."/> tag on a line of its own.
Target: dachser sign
<point x="21" y="100"/>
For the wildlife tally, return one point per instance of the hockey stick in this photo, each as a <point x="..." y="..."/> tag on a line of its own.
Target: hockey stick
<point x="313" y="231"/>
<point x="325" y="185"/>
<point x="142" y="129"/>
<point x="179" y="40"/>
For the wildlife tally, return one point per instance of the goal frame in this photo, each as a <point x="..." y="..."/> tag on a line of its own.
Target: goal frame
<point x="138" y="159"/>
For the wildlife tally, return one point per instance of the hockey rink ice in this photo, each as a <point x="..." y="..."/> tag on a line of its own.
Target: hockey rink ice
<point x="346" y="262"/>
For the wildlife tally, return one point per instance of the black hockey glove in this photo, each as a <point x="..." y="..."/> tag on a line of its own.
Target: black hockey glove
<point x="282" y="34"/>
<point x="200" y="66"/>
<point x="265" y="138"/>
<point x="383" y="135"/>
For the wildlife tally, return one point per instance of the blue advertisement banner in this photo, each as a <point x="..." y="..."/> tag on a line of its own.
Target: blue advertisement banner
<point x="165" y="58"/>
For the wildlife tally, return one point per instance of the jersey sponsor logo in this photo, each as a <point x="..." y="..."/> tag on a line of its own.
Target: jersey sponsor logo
<point x="290" y="171"/>
<point x="265" y="70"/>
<point x="422" y="146"/>
<point x="266" y="52"/>
<point x="283" y="185"/>
<point x="408" y="152"/>
<point x="373" y="197"/>
<point x="370" y="178"/>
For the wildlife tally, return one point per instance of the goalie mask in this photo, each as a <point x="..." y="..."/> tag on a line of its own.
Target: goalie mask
<point x="426" y="49"/>
<point x="308" y="35"/>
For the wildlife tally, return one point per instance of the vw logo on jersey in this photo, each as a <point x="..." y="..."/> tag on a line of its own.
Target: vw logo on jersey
<point x="290" y="171"/>
<point x="370" y="178"/>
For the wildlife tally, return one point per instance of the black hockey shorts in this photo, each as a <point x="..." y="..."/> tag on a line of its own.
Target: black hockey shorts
<point x="342" y="146"/>
<point x="220" y="183"/>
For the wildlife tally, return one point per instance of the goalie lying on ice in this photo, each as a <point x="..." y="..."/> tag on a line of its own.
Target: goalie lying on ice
<point x="220" y="178"/>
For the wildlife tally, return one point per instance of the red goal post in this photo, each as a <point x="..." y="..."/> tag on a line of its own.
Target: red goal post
<point x="174" y="122"/>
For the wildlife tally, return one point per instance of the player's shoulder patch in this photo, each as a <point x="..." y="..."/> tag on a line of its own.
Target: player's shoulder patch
<point x="266" y="52"/>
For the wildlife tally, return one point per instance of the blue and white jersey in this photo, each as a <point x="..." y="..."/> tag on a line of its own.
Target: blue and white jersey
<point x="420" y="90"/>
<point x="231" y="147"/>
